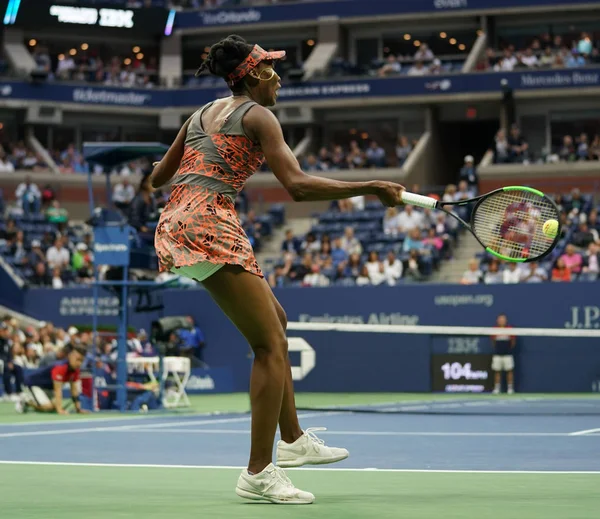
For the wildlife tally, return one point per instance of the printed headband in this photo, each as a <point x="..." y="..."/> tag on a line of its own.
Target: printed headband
<point x="257" y="55"/>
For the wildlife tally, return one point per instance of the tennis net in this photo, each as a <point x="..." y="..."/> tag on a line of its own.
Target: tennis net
<point x="446" y="369"/>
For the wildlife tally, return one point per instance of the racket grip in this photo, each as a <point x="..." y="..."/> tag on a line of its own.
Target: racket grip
<point x="419" y="200"/>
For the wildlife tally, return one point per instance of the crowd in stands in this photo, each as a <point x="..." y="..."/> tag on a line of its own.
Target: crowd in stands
<point x="514" y="148"/>
<point x="544" y="51"/>
<point x="372" y="155"/>
<point x="17" y="156"/>
<point x="576" y="257"/>
<point x="84" y="66"/>
<point x="359" y="243"/>
<point x="27" y="346"/>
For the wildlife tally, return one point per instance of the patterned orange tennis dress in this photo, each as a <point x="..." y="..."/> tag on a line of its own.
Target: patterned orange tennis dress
<point x="199" y="230"/>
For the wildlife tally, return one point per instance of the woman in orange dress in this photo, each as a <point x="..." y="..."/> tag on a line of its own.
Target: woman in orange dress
<point x="200" y="236"/>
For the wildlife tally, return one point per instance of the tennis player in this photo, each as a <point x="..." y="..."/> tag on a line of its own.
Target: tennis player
<point x="199" y="236"/>
<point x="45" y="385"/>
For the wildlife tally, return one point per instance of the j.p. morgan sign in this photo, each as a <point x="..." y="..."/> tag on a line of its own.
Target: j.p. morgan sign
<point x="104" y="17"/>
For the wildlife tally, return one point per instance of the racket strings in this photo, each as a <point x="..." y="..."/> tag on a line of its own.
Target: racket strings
<point x="510" y="223"/>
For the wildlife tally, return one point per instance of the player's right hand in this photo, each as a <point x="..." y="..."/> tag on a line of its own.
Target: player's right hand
<point x="62" y="411"/>
<point x="389" y="193"/>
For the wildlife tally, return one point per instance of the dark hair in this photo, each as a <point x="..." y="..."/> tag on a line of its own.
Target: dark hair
<point x="225" y="56"/>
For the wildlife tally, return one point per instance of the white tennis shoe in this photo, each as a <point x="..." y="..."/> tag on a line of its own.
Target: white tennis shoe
<point x="273" y="486"/>
<point x="308" y="450"/>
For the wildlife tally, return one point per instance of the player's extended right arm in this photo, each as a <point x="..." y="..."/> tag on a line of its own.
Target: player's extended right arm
<point x="58" y="404"/>
<point x="264" y="127"/>
<point x="168" y="166"/>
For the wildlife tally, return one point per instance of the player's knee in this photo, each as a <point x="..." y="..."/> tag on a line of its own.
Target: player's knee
<point x="273" y="348"/>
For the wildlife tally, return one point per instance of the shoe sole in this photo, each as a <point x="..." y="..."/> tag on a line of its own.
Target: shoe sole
<point x="299" y="462"/>
<point x="246" y="494"/>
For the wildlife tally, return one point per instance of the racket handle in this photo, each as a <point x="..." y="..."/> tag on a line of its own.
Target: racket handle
<point x="419" y="200"/>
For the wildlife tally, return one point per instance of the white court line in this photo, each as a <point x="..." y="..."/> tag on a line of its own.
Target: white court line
<point x="230" y="467"/>
<point x="587" y="432"/>
<point x="166" y="425"/>
<point x="362" y="433"/>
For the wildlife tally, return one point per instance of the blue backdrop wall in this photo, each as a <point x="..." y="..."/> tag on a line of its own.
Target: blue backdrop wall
<point x="380" y="362"/>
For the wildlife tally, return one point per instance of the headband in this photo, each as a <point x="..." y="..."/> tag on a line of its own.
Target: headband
<point x="257" y="55"/>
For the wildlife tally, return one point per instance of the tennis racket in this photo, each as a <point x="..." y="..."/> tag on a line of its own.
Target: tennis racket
<point x="507" y="222"/>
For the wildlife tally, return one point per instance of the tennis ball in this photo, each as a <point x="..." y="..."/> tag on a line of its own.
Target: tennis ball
<point x="550" y="228"/>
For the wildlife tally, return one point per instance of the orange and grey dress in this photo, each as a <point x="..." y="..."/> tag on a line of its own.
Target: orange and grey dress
<point x="199" y="230"/>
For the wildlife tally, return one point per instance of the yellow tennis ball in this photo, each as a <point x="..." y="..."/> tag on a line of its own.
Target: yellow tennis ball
<point x="550" y="228"/>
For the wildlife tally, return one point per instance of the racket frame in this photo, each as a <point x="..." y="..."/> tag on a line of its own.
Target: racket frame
<point x="432" y="203"/>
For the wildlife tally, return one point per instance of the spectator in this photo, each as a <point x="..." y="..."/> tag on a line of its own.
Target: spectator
<point x="315" y="278"/>
<point x="56" y="214"/>
<point x="391" y="67"/>
<point x="65" y="67"/>
<point x="403" y="149"/>
<point x="375" y="156"/>
<point x="291" y="243"/>
<point x="412" y="268"/>
<point x="299" y="272"/>
<point x="5" y="165"/>
<point x="584" y="236"/>
<point x="40" y="276"/>
<point x="547" y="58"/>
<point x="472" y="276"/>
<point x="435" y="67"/>
<point x="567" y="151"/>
<point x="592" y="259"/>
<point x="529" y="59"/>
<point x="390" y="221"/>
<point x="123" y="194"/>
<point x="493" y="275"/>
<point x="350" y="243"/>
<point x="507" y="63"/>
<point x="534" y="274"/>
<point x="593" y="220"/>
<point x="353" y="268"/>
<point x="338" y="254"/>
<point x="572" y="259"/>
<point x="584" y="45"/>
<point x="12" y="355"/>
<point x="57" y="282"/>
<point x="468" y="173"/>
<point x="392" y="268"/>
<point x="418" y="69"/>
<point x="501" y="148"/>
<point x="81" y="262"/>
<point x="583" y="147"/>
<point x="363" y="278"/>
<point x="36" y="255"/>
<point x="432" y="239"/>
<point x="375" y="269"/>
<point x="143" y="206"/>
<point x="80" y="166"/>
<point x="518" y="146"/>
<point x="511" y="274"/>
<point x="595" y="148"/>
<point x="424" y="53"/>
<point x="58" y="256"/>
<point x="464" y="192"/>
<point x="413" y="241"/>
<point x="575" y="60"/>
<point x="338" y="158"/>
<point x="561" y="272"/>
<point x="29" y="196"/>
<point x="410" y="219"/>
<point x="355" y="157"/>
<point x="310" y="243"/>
